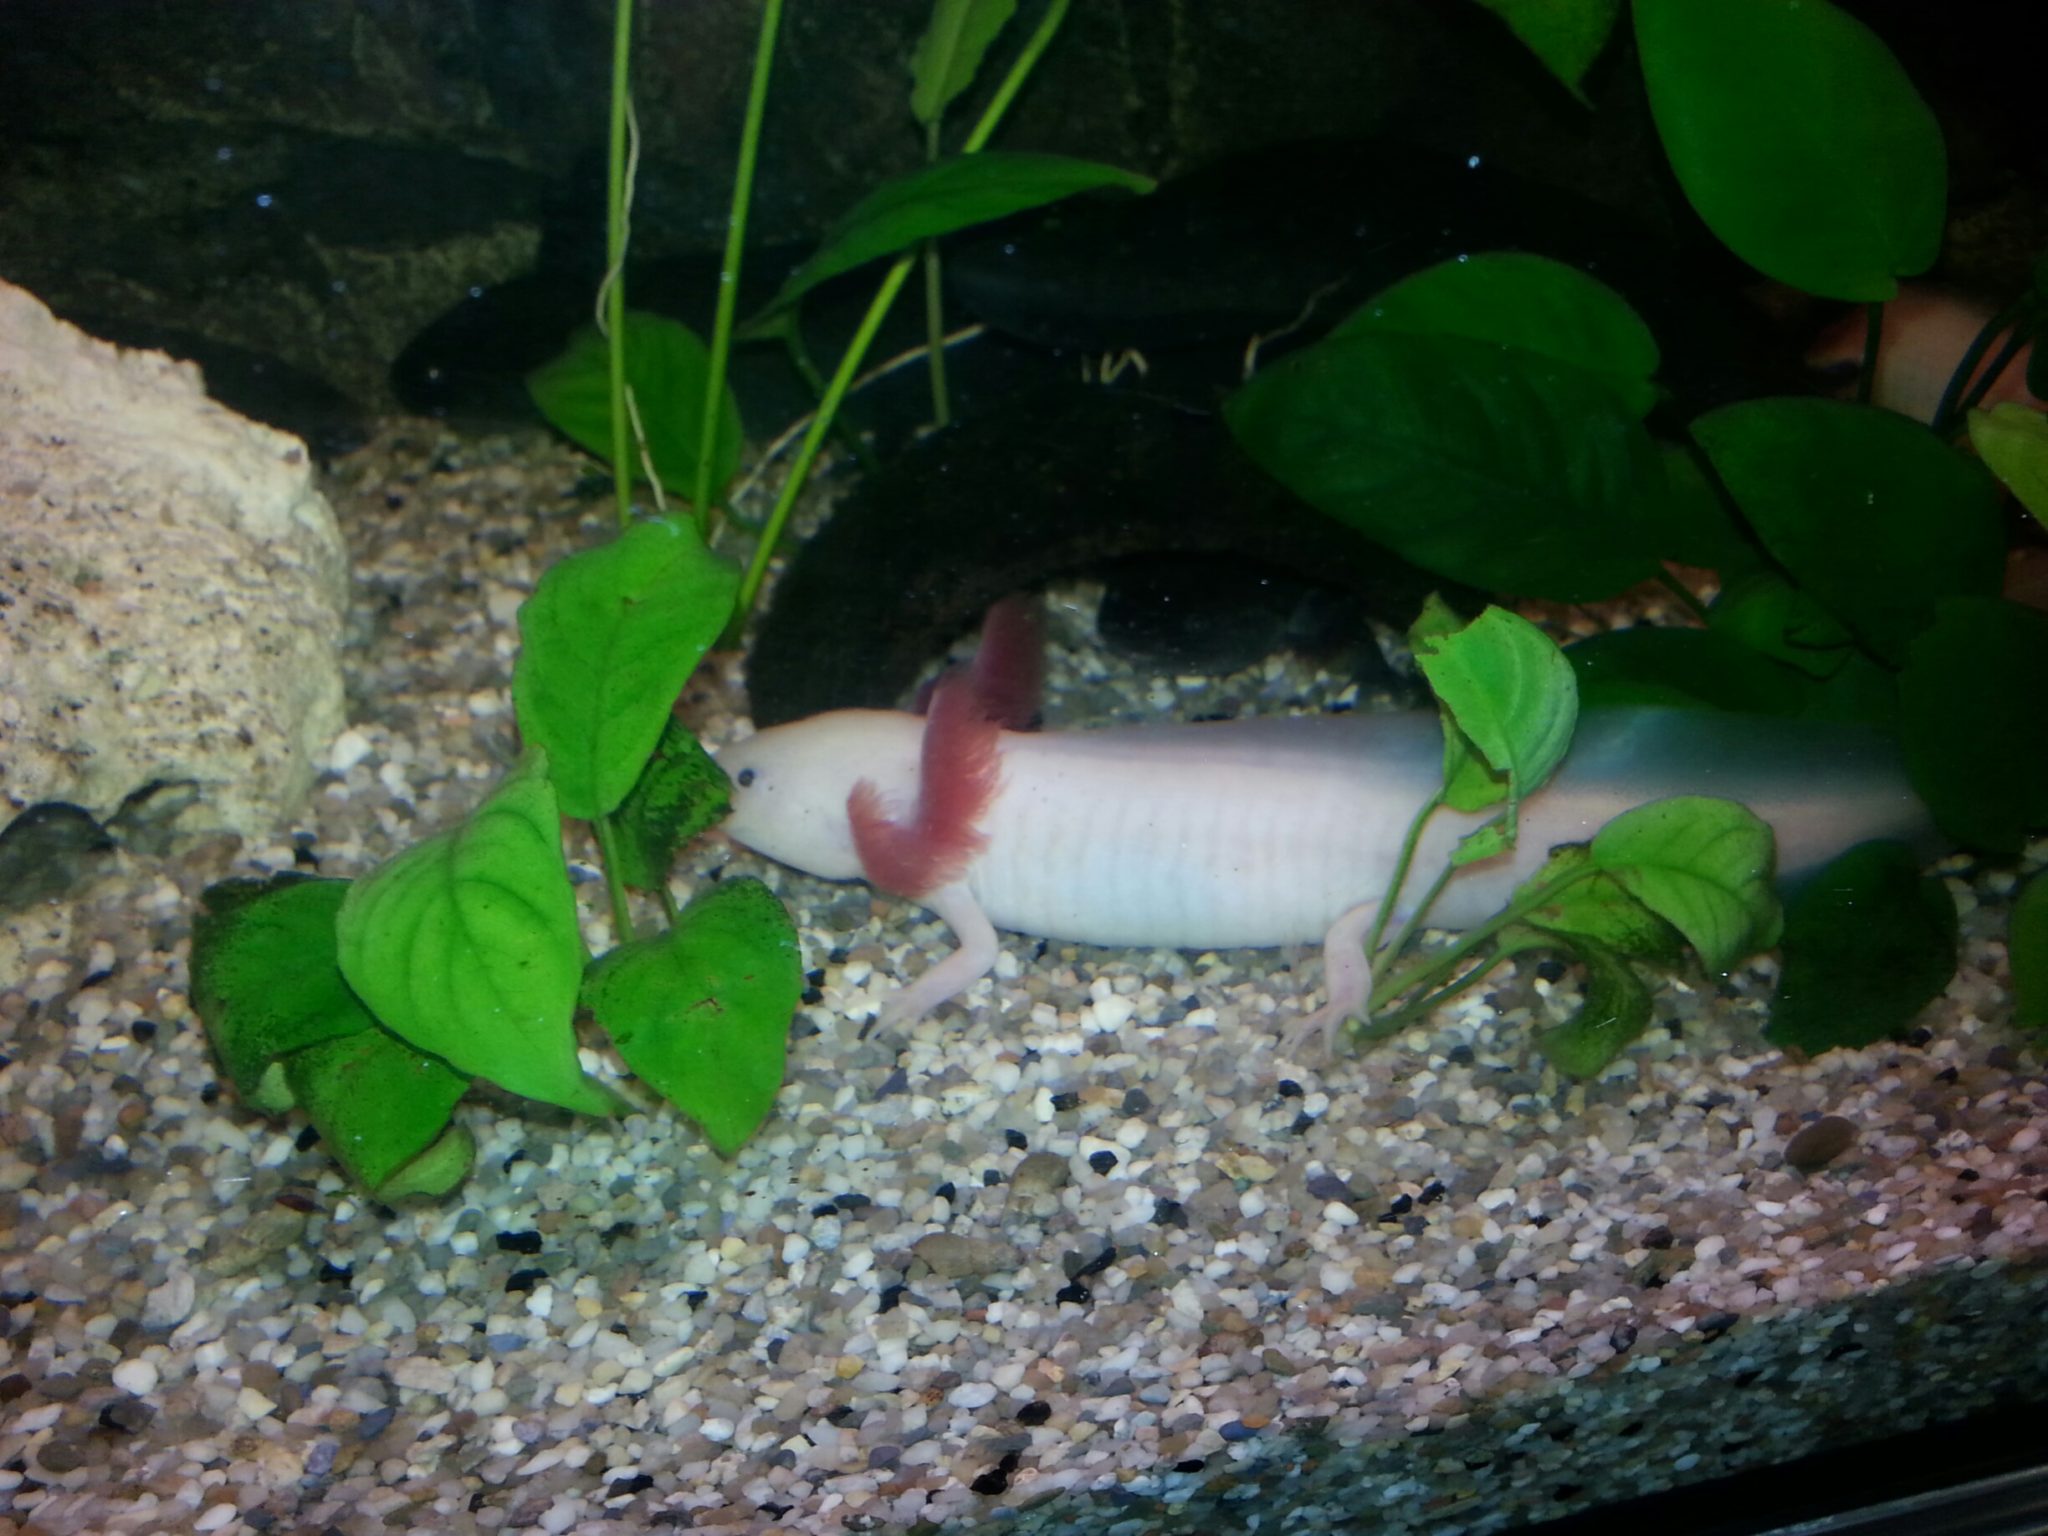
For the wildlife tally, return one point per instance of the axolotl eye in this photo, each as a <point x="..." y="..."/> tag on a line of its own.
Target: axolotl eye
<point x="745" y="779"/>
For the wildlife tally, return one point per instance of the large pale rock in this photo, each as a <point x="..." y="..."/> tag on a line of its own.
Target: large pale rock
<point x="171" y="586"/>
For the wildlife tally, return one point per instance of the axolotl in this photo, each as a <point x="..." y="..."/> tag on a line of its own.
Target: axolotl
<point x="1257" y="832"/>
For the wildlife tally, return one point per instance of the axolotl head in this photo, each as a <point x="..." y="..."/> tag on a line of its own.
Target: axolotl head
<point x="790" y="784"/>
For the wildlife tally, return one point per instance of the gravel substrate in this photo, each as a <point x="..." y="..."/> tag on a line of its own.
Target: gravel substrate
<point x="1089" y="1255"/>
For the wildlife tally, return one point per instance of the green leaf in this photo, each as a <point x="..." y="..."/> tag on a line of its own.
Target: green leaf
<point x="1587" y="903"/>
<point x="1488" y="465"/>
<point x="264" y="976"/>
<point x="1766" y="613"/>
<point x="682" y="793"/>
<point x="1694" y="524"/>
<point x="951" y="50"/>
<point x="937" y="200"/>
<point x="467" y="947"/>
<point x="1972" y="722"/>
<point x="1612" y="1016"/>
<point x="1509" y="703"/>
<point x="1701" y="864"/>
<point x="702" y="1012"/>
<point x="1528" y="302"/>
<point x="1689" y="668"/>
<point x="1869" y="942"/>
<point x="1567" y="35"/>
<point x="1869" y="512"/>
<point x="666" y="366"/>
<point x="2013" y="440"/>
<point x="2026" y="946"/>
<point x="382" y="1111"/>
<point x="608" y="639"/>
<point x="1798" y="139"/>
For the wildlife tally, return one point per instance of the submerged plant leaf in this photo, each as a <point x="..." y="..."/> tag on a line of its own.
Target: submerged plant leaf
<point x="1766" y="613"/>
<point x="467" y="947"/>
<point x="701" y="1013"/>
<point x="1871" y="513"/>
<point x="1972" y="722"/>
<point x="1510" y="705"/>
<point x="1528" y="302"/>
<point x="2026" y="946"/>
<point x="1587" y="903"/>
<point x="264" y="976"/>
<point x="1612" y="1016"/>
<point x="1487" y="465"/>
<point x="1704" y="866"/>
<point x="1567" y="35"/>
<point x="2013" y="440"/>
<point x="608" y="639"/>
<point x="666" y="366"/>
<point x="950" y="53"/>
<point x="1689" y="668"/>
<point x="937" y="200"/>
<point x="382" y="1110"/>
<point x="1798" y="139"/>
<point x="682" y="793"/>
<point x="1869" y="942"/>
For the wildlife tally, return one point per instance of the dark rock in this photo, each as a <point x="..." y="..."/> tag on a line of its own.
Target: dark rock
<point x="1815" y="1146"/>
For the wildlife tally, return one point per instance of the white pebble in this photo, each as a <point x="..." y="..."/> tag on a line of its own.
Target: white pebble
<point x="973" y="1394"/>
<point x="718" y="1431"/>
<point x="137" y="1378"/>
<point x="349" y="748"/>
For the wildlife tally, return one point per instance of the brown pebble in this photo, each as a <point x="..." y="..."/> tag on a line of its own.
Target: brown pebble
<point x="1820" y="1143"/>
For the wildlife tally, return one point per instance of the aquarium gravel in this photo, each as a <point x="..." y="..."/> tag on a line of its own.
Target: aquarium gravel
<point x="1087" y="1255"/>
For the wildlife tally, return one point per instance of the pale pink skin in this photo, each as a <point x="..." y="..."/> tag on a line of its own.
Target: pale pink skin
<point x="1926" y="333"/>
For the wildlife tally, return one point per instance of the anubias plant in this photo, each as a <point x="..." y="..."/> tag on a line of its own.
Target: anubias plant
<point x="373" y="1004"/>
<point x="1490" y="419"/>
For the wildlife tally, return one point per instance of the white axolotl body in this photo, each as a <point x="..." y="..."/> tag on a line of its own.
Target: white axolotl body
<point x="1273" y="832"/>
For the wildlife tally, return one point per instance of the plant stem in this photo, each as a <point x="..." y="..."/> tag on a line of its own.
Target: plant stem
<point x="934" y="304"/>
<point x="1401" y="864"/>
<point x="1013" y="82"/>
<point x="1683" y="593"/>
<point x="1424" y="974"/>
<point x="821" y="424"/>
<point x="1415" y="918"/>
<point x="608" y="850"/>
<point x="1989" y="377"/>
<point x="1946" y="415"/>
<point x="729" y="269"/>
<point x="871" y="322"/>
<point x="615" y="254"/>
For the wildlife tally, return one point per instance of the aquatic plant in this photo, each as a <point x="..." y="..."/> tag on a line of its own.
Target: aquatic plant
<point x="1489" y="419"/>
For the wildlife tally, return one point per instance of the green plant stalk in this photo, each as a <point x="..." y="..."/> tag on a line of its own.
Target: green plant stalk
<point x="934" y="305"/>
<point x="1421" y="1007"/>
<point x="608" y="851"/>
<point x="1683" y="593"/>
<point x="615" y="255"/>
<point x="1013" y="82"/>
<point x="814" y="439"/>
<point x="1415" y="922"/>
<point x="1427" y="972"/>
<point x="1400" y="878"/>
<point x="871" y="322"/>
<point x="1998" y="364"/>
<point x="729" y="268"/>
<point x="1946" y="417"/>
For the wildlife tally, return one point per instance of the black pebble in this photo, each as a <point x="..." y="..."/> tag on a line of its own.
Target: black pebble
<point x="519" y="1242"/>
<point x="1102" y="1162"/>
